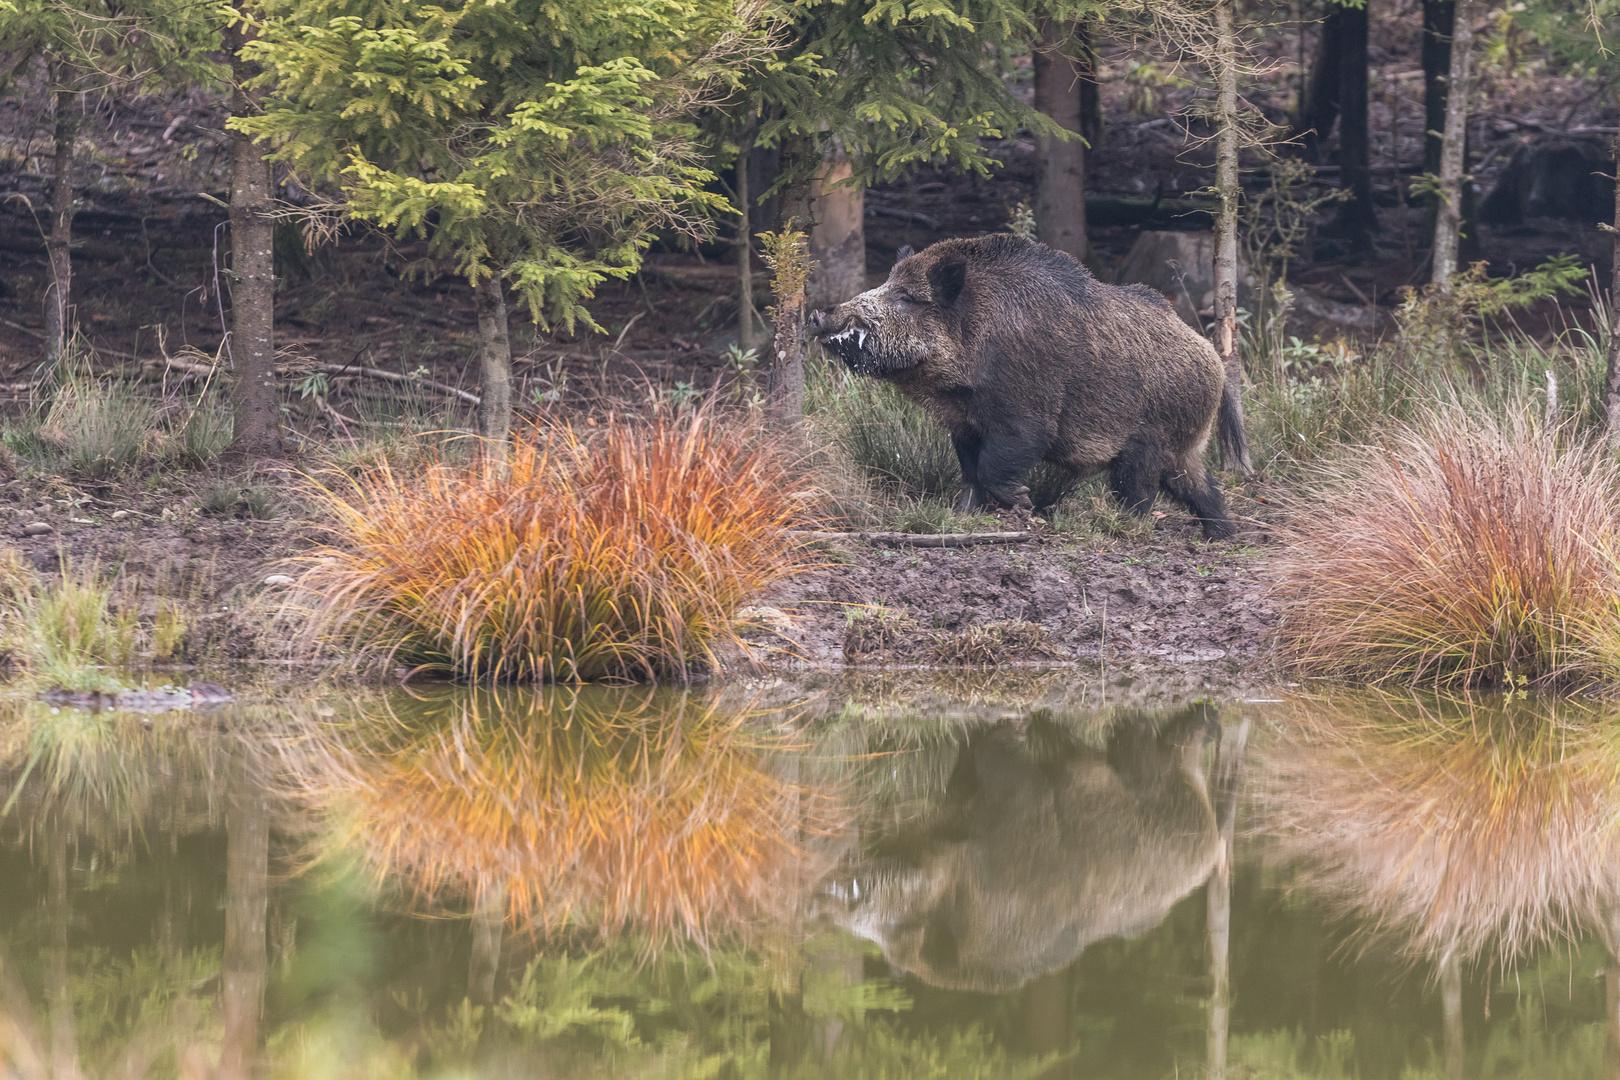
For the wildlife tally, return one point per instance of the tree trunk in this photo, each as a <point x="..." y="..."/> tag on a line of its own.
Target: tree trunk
<point x="1611" y="378"/>
<point x="245" y="964"/>
<point x="1357" y="220"/>
<point x="1451" y="1020"/>
<point x="746" y="340"/>
<point x="1060" y="170"/>
<point x="1228" y="194"/>
<point x="1321" y="106"/>
<point x="838" y="235"/>
<point x="256" y="406"/>
<point x="1452" y="150"/>
<point x="1091" y="117"/>
<point x="494" y="361"/>
<point x="58" y="988"/>
<point x="1437" y="21"/>
<point x="785" y="385"/>
<point x="58" y="305"/>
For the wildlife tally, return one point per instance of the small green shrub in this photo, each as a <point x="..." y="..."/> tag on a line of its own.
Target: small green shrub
<point x="69" y="633"/>
<point x="206" y="430"/>
<point x="99" y="427"/>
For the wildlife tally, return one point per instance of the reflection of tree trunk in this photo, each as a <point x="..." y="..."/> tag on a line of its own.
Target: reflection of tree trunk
<point x="1218" y="899"/>
<point x="838" y="238"/>
<point x="789" y="1031"/>
<point x="247" y="891"/>
<point x="1611" y="1014"/>
<point x="1451" y="1013"/>
<point x="1046" y="1017"/>
<point x="20" y="1048"/>
<point x="488" y="920"/>
<point x="1060" y="164"/>
<point x="58" y="992"/>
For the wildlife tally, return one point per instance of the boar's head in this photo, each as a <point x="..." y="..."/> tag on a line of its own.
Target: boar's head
<point x="903" y="322"/>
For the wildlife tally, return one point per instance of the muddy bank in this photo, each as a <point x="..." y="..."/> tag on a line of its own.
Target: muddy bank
<point x="1172" y="599"/>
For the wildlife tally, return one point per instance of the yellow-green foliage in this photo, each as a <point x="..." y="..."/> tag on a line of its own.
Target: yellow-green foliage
<point x="619" y="553"/>
<point x="1462" y="550"/>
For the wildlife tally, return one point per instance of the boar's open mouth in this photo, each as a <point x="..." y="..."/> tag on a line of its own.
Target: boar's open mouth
<point x="849" y="343"/>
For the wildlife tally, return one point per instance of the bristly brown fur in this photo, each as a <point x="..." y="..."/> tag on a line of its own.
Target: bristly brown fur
<point x="1024" y="357"/>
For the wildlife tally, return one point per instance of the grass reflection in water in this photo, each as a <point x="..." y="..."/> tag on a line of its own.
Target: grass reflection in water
<point x="610" y="808"/>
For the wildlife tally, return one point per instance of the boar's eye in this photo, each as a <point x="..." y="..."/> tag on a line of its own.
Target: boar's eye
<point x="905" y="298"/>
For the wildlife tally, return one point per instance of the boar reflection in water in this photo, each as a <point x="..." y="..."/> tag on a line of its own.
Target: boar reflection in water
<point x="1039" y="847"/>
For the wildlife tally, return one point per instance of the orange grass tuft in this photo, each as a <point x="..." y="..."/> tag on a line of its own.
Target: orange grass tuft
<point x="1464" y="551"/>
<point x="608" y="808"/>
<point x="619" y="553"/>
<point x="1454" y="826"/>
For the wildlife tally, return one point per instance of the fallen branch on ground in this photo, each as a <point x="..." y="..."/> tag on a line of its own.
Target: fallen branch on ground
<point x="926" y="540"/>
<point x="189" y="368"/>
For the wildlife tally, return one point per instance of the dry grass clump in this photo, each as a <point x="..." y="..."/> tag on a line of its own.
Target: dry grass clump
<point x="1452" y="827"/>
<point x="1464" y="550"/>
<point x="596" y="807"/>
<point x="990" y="644"/>
<point x="618" y="553"/>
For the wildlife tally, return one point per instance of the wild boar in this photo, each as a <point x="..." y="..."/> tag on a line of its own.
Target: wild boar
<point x="1024" y="357"/>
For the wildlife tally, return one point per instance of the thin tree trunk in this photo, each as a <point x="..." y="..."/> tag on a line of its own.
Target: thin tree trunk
<point x="488" y="921"/>
<point x="256" y="406"/>
<point x="1453" y="148"/>
<point x="1320" y="109"/>
<point x="838" y="235"/>
<point x="1091" y="117"/>
<point x="59" y="244"/>
<point x="1357" y="219"/>
<point x="1437" y="22"/>
<point x="746" y="340"/>
<point x="784" y="384"/>
<point x="58" y="988"/>
<point x="59" y="300"/>
<point x="1228" y="194"/>
<point x="1611" y="378"/>
<point x="245" y="964"/>
<point x="1451" y="1014"/>
<point x="1060" y="169"/>
<point x="494" y="361"/>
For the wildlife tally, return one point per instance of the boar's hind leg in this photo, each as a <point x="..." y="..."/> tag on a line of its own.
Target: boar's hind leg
<point x="1133" y="476"/>
<point x="1197" y="489"/>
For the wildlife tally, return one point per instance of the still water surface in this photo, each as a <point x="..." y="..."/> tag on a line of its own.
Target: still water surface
<point x="859" y="881"/>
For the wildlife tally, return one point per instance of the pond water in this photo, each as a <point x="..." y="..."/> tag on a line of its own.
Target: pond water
<point x="1008" y="877"/>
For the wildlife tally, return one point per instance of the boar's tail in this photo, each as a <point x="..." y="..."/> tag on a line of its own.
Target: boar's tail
<point x="1234" y="444"/>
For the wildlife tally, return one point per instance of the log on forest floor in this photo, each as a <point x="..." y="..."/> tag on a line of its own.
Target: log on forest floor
<point x="923" y="540"/>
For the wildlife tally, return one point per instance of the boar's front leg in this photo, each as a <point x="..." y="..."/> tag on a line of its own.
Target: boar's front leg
<point x="968" y="445"/>
<point x="1005" y="458"/>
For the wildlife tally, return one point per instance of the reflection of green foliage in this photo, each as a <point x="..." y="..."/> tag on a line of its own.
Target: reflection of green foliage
<point x="141" y="1006"/>
<point x="1289" y="1055"/>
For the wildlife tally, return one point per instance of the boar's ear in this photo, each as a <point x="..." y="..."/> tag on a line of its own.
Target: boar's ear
<point x="945" y="281"/>
<point x="906" y="251"/>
